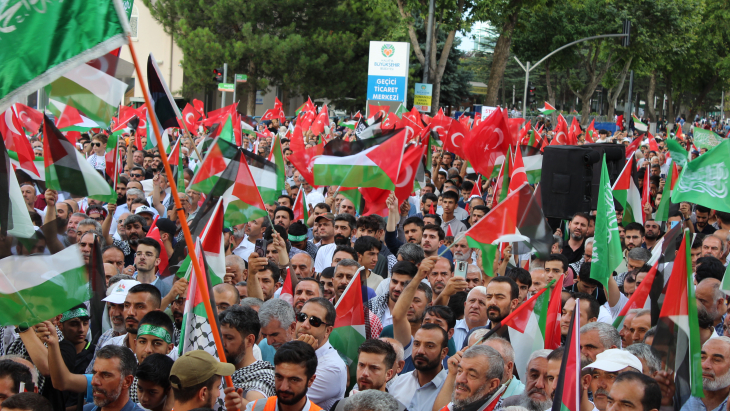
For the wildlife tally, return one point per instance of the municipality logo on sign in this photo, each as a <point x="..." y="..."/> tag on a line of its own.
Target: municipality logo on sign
<point x="388" y="50"/>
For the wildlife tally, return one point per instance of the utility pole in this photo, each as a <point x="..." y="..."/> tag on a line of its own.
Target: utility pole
<point x="225" y="80"/>
<point x="429" y="39"/>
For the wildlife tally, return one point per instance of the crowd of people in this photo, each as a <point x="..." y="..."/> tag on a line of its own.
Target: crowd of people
<point x="434" y="340"/>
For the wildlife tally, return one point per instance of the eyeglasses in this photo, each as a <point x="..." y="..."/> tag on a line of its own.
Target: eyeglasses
<point x="98" y="218"/>
<point x="315" y="322"/>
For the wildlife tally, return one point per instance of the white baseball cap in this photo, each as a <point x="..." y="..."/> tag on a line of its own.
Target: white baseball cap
<point x="615" y="360"/>
<point x="145" y="209"/>
<point x="119" y="291"/>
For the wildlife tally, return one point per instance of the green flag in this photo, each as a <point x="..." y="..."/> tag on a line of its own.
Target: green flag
<point x="43" y="41"/>
<point x="607" y="247"/>
<point x="705" y="180"/>
<point x="679" y="154"/>
<point x="705" y="138"/>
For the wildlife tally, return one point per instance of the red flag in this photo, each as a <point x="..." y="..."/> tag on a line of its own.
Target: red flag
<point x="646" y="191"/>
<point x="631" y="149"/>
<point x="561" y="137"/>
<point x="488" y="142"/>
<point x="321" y="121"/>
<point x="299" y="208"/>
<point x="552" y="322"/>
<point x="376" y="111"/>
<point x="567" y="392"/>
<point x="591" y="132"/>
<point x="199" y="107"/>
<point x="15" y="140"/>
<point x="454" y="137"/>
<point x="69" y="117"/>
<point x="431" y="209"/>
<point x="518" y="176"/>
<point x="574" y="131"/>
<point x="653" y="146"/>
<point x="30" y="118"/>
<point x="190" y="117"/>
<point x="620" y="122"/>
<point x="287" y="291"/>
<point x="154" y="233"/>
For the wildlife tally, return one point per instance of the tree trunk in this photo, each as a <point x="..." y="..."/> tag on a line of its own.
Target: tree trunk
<point x="650" y="111"/>
<point x="595" y="75"/>
<point x="251" y="89"/>
<point x="614" y="93"/>
<point x="550" y="89"/>
<point x="499" y="61"/>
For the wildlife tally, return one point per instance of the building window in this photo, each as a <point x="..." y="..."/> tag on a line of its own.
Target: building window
<point x="133" y="22"/>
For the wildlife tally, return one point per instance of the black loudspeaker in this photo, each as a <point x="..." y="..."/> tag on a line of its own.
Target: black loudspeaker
<point x="615" y="162"/>
<point x="567" y="176"/>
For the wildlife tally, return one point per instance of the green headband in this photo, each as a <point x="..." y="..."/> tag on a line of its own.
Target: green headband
<point x="159" y="332"/>
<point x="76" y="313"/>
<point x="297" y="238"/>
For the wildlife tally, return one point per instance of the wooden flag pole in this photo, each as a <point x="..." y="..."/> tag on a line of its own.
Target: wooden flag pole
<point x="181" y="217"/>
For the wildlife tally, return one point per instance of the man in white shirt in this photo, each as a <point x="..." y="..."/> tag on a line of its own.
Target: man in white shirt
<point x="314" y="325"/>
<point x="418" y="389"/>
<point x="254" y="230"/>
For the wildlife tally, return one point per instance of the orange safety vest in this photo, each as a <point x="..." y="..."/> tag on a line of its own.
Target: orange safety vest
<point x="270" y="405"/>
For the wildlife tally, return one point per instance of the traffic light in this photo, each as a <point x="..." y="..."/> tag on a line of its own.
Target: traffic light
<point x="530" y="94"/>
<point x="218" y="74"/>
<point x="626" y="41"/>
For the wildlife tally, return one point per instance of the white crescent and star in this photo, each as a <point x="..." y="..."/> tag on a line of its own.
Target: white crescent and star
<point x="9" y="122"/>
<point x="499" y="143"/>
<point x="453" y="141"/>
<point x="407" y="179"/>
<point x="186" y="118"/>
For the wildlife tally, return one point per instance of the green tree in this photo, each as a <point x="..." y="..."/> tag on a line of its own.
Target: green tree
<point x="309" y="47"/>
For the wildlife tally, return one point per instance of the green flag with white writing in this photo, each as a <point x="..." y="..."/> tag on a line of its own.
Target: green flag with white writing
<point x="44" y="40"/>
<point x="705" y="138"/>
<point x="705" y="180"/>
<point x="607" y="247"/>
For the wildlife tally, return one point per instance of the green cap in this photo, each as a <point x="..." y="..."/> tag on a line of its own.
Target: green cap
<point x="196" y="367"/>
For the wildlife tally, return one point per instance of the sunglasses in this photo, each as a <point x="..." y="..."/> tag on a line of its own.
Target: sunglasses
<point x="136" y="175"/>
<point x="96" y="144"/>
<point x="315" y="322"/>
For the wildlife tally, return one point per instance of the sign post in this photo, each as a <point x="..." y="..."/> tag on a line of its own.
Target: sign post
<point x="422" y="97"/>
<point x="388" y="73"/>
<point x="238" y="78"/>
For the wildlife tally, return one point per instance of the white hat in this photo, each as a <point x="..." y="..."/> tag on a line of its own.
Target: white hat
<point x="119" y="292"/>
<point x="615" y="360"/>
<point x="145" y="209"/>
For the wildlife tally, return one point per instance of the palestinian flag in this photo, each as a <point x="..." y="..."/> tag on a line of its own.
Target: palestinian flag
<point x="166" y="111"/>
<point x="277" y="157"/>
<point x="366" y="163"/>
<point x="348" y="123"/>
<point x="567" y="393"/>
<point x="627" y="194"/>
<point x="533" y="168"/>
<point x="220" y="153"/>
<point x="607" y="254"/>
<point x="37" y="164"/>
<point x="196" y="332"/>
<point x="349" y="331"/>
<point x="548" y="109"/>
<point x="66" y="170"/>
<point x="639" y="299"/>
<point x="638" y="125"/>
<point x="301" y="212"/>
<point x="211" y="240"/>
<point x="518" y="218"/>
<point x="18" y="144"/>
<point x="72" y="120"/>
<point x="662" y="211"/>
<point x="176" y="163"/>
<point x="265" y="175"/>
<point x="38" y="288"/>
<point x="527" y="327"/>
<point x="501" y="189"/>
<point x="14" y="217"/>
<point x="287" y="290"/>
<point x="677" y="336"/>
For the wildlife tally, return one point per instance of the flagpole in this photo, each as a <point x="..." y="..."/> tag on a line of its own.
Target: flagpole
<point x="181" y="217"/>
